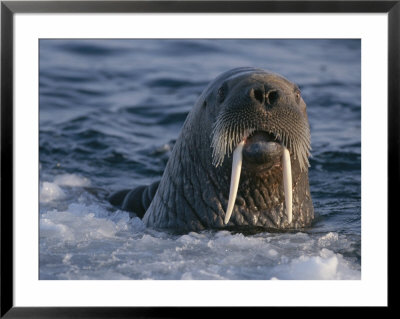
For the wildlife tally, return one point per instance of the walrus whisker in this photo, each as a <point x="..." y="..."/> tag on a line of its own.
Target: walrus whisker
<point x="226" y="135"/>
<point x="287" y="182"/>
<point x="235" y="177"/>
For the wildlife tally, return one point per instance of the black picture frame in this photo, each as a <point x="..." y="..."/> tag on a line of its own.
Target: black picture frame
<point x="9" y="8"/>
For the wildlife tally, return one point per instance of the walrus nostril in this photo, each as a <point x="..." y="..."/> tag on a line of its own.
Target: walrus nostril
<point x="272" y="96"/>
<point x="258" y="95"/>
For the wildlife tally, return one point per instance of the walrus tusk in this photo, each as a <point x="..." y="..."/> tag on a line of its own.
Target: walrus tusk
<point x="235" y="176"/>
<point x="287" y="182"/>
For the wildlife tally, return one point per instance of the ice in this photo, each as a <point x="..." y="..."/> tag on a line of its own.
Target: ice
<point x="50" y="192"/>
<point x="68" y="226"/>
<point x="72" y="180"/>
<point x="84" y="238"/>
<point x="326" y="266"/>
<point x="55" y="190"/>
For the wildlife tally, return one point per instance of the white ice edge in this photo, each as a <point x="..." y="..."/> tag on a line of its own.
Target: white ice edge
<point x="287" y="182"/>
<point x="235" y="177"/>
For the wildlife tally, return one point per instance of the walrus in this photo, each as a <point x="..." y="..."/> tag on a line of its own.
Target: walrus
<point x="241" y="161"/>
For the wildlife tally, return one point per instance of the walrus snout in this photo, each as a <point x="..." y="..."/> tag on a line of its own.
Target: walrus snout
<point x="260" y="102"/>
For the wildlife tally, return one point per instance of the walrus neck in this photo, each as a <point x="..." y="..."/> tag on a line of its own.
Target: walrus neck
<point x="188" y="197"/>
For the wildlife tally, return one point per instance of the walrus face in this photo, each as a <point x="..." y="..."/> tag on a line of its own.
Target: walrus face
<point x="261" y="119"/>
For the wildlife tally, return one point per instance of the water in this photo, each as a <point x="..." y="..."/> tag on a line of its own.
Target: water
<point x="110" y="111"/>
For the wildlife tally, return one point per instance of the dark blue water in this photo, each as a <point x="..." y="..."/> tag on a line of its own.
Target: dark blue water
<point x="110" y="111"/>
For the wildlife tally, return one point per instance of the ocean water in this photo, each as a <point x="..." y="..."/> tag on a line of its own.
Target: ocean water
<point x="110" y="111"/>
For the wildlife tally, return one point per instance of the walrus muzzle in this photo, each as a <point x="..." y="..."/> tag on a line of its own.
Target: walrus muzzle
<point x="260" y="111"/>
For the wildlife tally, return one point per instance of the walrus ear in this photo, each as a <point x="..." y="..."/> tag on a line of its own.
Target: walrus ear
<point x="303" y="108"/>
<point x="303" y="104"/>
<point x="300" y="102"/>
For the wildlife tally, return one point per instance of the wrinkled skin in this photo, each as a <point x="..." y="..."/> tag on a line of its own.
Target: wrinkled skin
<point x="194" y="189"/>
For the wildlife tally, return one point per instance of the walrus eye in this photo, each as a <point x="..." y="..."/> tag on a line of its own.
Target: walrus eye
<point x="297" y="95"/>
<point x="221" y="94"/>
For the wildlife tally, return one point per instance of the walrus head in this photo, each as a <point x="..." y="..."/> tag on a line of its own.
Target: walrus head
<point x="241" y="159"/>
